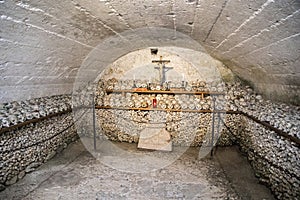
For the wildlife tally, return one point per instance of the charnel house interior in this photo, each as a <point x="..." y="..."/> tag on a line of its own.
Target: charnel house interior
<point x="149" y="99"/>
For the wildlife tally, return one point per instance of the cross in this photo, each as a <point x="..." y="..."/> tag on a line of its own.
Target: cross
<point x="162" y="69"/>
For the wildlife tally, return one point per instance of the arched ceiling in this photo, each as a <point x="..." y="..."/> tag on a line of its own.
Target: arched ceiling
<point x="43" y="43"/>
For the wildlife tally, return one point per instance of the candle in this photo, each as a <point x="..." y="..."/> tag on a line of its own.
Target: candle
<point x="154" y="103"/>
<point x="134" y="77"/>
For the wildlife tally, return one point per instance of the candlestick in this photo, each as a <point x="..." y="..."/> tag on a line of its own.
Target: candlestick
<point x="154" y="103"/>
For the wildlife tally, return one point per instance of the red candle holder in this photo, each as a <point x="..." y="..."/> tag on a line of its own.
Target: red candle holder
<point x="154" y="103"/>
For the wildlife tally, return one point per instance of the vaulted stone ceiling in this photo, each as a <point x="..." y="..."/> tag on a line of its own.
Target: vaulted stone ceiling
<point x="43" y="43"/>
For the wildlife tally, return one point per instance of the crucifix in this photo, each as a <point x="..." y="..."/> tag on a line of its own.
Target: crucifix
<point x="162" y="69"/>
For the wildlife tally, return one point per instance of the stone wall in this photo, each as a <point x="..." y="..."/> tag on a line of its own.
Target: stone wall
<point x="38" y="139"/>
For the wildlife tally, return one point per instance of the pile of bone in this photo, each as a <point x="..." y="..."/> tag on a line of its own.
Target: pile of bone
<point x="274" y="159"/>
<point x="100" y="93"/>
<point x="190" y="129"/>
<point x="131" y="100"/>
<point x="20" y="111"/>
<point x="131" y="122"/>
<point x="184" y="102"/>
<point x="202" y="86"/>
<point x="84" y="121"/>
<point x="34" y="133"/>
<point x="279" y="115"/>
<point x="197" y="86"/>
<point x="120" y="125"/>
<point x="164" y="101"/>
<point x="85" y="95"/>
<point x="179" y="120"/>
<point x="186" y="129"/>
<point x="24" y="149"/>
<point x="114" y="84"/>
<point x="233" y="127"/>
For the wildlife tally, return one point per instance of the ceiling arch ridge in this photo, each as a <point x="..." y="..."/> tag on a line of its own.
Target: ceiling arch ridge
<point x="253" y="16"/>
<point x="272" y="27"/>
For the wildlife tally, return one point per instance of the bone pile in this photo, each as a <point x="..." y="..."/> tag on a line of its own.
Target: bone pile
<point x="279" y="115"/>
<point x="165" y="101"/>
<point x="197" y="85"/>
<point x="274" y="158"/>
<point x="121" y="125"/>
<point x="23" y="150"/>
<point x="185" y="128"/>
<point x="16" y="112"/>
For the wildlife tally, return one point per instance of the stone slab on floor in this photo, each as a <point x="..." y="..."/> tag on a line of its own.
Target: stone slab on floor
<point x="155" y="138"/>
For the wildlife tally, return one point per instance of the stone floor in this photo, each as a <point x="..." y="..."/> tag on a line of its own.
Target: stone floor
<point x="76" y="174"/>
